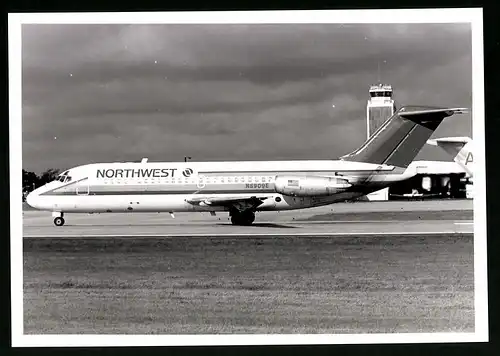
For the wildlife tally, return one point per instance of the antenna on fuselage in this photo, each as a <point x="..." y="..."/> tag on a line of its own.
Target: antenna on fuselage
<point x="144" y="160"/>
<point x="378" y="75"/>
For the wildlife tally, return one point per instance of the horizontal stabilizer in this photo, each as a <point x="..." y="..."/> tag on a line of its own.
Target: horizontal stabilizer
<point x="399" y="139"/>
<point x="451" y="140"/>
<point x="449" y="111"/>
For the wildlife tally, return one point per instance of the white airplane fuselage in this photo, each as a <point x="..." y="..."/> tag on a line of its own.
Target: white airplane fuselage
<point x="242" y="188"/>
<point x="182" y="187"/>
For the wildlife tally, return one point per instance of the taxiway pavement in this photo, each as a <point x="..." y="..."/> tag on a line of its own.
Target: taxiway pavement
<point x="423" y="217"/>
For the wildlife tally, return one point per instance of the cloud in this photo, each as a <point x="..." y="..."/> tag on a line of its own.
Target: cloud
<point x="233" y="92"/>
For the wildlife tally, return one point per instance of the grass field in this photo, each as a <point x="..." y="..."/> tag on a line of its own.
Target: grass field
<point x="249" y="285"/>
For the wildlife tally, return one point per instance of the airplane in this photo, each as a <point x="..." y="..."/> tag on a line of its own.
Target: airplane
<point x="460" y="148"/>
<point x="245" y="187"/>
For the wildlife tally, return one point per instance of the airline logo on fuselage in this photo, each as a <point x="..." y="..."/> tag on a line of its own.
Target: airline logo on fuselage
<point x="139" y="173"/>
<point x="187" y="172"/>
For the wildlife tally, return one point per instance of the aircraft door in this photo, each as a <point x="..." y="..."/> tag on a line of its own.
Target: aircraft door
<point x="201" y="183"/>
<point x="82" y="188"/>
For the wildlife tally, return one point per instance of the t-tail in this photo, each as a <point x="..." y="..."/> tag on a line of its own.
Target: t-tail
<point x="401" y="137"/>
<point x="459" y="148"/>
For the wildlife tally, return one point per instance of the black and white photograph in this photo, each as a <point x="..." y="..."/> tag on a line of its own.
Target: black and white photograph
<point x="259" y="177"/>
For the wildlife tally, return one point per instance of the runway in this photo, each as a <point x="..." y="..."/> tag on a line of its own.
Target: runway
<point x="313" y="272"/>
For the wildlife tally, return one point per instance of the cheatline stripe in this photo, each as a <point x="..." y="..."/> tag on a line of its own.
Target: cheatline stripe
<point x="322" y="171"/>
<point x="199" y="191"/>
<point x="147" y="190"/>
<point x="165" y="189"/>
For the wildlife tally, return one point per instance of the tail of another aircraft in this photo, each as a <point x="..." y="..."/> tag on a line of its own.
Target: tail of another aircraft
<point x="460" y="148"/>
<point x="398" y="141"/>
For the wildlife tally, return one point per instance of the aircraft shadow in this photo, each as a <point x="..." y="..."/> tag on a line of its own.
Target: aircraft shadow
<point x="278" y="226"/>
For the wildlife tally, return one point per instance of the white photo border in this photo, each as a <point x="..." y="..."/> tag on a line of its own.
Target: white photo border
<point x="474" y="16"/>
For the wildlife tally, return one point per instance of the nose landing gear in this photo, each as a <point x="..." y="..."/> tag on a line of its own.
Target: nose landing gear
<point x="58" y="219"/>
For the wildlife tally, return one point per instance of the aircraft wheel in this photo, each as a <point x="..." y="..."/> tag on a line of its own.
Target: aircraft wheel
<point x="246" y="218"/>
<point x="59" y="221"/>
<point x="236" y="219"/>
<point x="249" y="218"/>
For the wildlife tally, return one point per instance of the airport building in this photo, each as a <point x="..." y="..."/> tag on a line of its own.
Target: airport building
<point x="434" y="179"/>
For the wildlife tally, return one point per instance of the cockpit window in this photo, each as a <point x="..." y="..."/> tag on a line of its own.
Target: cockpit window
<point x="63" y="178"/>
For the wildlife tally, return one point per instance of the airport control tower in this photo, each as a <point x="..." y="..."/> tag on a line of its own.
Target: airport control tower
<point x="379" y="108"/>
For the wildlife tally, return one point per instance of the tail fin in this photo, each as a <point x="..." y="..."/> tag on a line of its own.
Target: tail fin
<point x="460" y="148"/>
<point x="402" y="136"/>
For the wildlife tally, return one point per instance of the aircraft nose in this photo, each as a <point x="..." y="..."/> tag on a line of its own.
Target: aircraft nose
<point x="31" y="199"/>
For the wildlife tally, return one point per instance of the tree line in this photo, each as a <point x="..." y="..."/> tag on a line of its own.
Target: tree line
<point x="31" y="180"/>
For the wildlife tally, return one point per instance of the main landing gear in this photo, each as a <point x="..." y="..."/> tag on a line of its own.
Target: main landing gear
<point x="58" y="219"/>
<point x="242" y="217"/>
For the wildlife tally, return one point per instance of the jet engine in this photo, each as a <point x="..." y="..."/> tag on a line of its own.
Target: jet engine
<point x="310" y="186"/>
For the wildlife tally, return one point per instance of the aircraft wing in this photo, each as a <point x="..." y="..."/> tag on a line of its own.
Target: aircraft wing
<point x="239" y="203"/>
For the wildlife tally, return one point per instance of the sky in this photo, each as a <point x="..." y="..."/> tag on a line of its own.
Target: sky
<point x="103" y="93"/>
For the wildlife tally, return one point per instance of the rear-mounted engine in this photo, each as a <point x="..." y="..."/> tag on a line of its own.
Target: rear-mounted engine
<point x="310" y="186"/>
